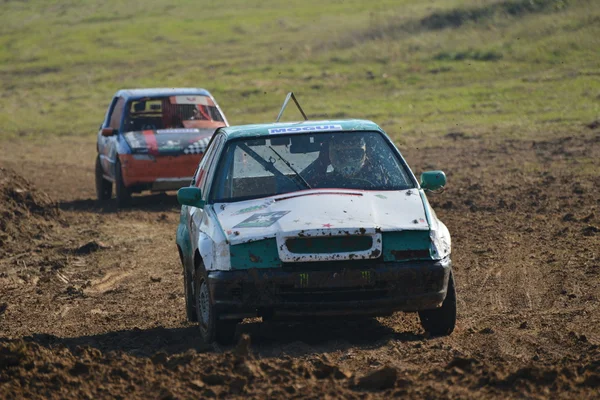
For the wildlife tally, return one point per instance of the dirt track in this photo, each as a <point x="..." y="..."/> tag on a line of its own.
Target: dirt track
<point x="91" y="300"/>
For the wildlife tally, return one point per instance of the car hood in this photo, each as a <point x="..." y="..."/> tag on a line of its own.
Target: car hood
<point x="169" y="142"/>
<point x="330" y="212"/>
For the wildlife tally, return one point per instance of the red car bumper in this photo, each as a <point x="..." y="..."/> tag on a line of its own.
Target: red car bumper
<point x="158" y="173"/>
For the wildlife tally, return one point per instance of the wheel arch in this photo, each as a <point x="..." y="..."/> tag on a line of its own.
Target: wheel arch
<point x="180" y="252"/>
<point x="198" y="262"/>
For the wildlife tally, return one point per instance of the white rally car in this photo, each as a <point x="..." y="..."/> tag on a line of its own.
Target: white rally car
<point x="313" y="218"/>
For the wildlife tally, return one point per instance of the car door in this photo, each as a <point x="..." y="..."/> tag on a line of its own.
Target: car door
<point x="107" y="145"/>
<point x="102" y="141"/>
<point x="202" y="180"/>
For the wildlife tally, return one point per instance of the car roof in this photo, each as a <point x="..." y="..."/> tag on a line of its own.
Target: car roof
<point x="129" y="94"/>
<point x="258" y="130"/>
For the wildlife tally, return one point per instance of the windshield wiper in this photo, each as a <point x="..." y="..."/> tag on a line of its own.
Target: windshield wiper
<point x="292" y="168"/>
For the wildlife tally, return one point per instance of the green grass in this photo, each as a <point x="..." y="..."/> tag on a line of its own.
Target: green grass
<point x="419" y="69"/>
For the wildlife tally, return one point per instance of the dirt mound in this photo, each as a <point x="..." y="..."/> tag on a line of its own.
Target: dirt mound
<point x="25" y="212"/>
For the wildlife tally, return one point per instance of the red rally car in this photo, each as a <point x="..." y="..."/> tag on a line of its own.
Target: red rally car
<point x="153" y="139"/>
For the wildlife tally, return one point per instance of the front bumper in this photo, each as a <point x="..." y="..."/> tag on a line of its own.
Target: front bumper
<point x="374" y="290"/>
<point x="158" y="173"/>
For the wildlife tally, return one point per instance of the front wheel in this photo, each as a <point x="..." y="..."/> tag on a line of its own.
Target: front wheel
<point x="211" y="328"/>
<point x="441" y="321"/>
<point x="190" y="303"/>
<point x="103" y="186"/>
<point x="123" y="194"/>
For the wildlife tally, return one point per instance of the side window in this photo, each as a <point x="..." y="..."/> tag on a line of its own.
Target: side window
<point x="201" y="174"/>
<point x="109" y="110"/>
<point x="117" y="112"/>
<point x="199" y="177"/>
<point x="210" y="166"/>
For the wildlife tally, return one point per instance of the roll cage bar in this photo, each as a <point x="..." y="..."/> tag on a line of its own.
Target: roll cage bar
<point x="289" y="96"/>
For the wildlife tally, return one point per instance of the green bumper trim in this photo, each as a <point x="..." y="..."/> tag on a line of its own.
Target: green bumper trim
<point x="406" y="245"/>
<point x="258" y="254"/>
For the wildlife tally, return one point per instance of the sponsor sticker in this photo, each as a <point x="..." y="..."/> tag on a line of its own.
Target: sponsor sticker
<point x="170" y="145"/>
<point x="261" y="220"/>
<point x="313" y="128"/>
<point x="200" y="99"/>
<point x="303" y="279"/>
<point x="252" y="208"/>
<point x="366" y="275"/>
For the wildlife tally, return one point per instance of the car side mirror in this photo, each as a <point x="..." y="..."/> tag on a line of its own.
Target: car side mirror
<point x="433" y="180"/>
<point x="108" y="132"/>
<point x="190" y="196"/>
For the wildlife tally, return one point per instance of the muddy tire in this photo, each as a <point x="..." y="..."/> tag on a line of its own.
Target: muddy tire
<point x="190" y="301"/>
<point x="441" y="321"/>
<point x="211" y="328"/>
<point x="103" y="186"/>
<point x="122" y="193"/>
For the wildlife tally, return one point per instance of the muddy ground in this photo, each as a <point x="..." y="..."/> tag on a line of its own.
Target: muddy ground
<point x="91" y="298"/>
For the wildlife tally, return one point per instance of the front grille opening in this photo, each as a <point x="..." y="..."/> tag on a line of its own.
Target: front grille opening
<point x="332" y="295"/>
<point x="329" y="244"/>
<point x="236" y="293"/>
<point x="337" y="265"/>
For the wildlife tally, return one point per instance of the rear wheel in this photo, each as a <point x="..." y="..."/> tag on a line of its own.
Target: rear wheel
<point x="103" y="186"/>
<point x="122" y="193"/>
<point x="441" y="321"/>
<point x="211" y="328"/>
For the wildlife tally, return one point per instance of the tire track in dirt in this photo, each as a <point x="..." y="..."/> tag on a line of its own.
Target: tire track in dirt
<point x="109" y="282"/>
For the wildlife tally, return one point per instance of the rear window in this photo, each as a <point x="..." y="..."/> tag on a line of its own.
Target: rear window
<point x="172" y="112"/>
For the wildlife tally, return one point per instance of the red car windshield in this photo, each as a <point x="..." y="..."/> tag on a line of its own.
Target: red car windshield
<point x="172" y="112"/>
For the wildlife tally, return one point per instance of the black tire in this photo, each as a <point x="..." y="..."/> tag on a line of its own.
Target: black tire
<point x="122" y="193"/>
<point x="190" y="301"/>
<point x="211" y="328"/>
<point x="103" y="186"/>
<point x="441" y="321"/>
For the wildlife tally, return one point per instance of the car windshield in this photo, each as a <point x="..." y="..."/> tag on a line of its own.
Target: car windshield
<point x="255" y="168"/>
<point x="172" y="112"/>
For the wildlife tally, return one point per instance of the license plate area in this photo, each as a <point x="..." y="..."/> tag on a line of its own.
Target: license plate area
<point x="348" y="279"/>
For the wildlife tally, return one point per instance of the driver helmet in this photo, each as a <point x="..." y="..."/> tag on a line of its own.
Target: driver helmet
<point x="347" y="154"/>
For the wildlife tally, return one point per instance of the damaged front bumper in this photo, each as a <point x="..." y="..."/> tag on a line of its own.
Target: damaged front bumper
<point x="375" y="290"/>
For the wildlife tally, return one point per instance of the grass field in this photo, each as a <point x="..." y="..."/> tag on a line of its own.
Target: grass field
<point x="420" y="69"/>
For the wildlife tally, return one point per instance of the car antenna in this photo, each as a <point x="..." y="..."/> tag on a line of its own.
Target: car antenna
<point x="289" y="96"/>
